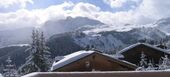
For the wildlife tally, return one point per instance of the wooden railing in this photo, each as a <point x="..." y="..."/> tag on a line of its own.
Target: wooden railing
<point x="101" y="74"/>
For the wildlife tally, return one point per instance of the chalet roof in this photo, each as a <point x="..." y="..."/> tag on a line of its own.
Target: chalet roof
<point x="78" y="55"/>
<point x="70" y="58"/>
<point x="145" y="44"/>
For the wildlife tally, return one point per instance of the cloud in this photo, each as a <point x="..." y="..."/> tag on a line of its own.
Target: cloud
<point x="36" y="17"/>
<point x="9" y="3"/>
<point x="52" y="12"/>
<point x="20" y="18"/>
<point x="155" y="8"/>
<point x="84" y="10"/>
<point x="86" y="7"/>
<point x="145" y="12"/>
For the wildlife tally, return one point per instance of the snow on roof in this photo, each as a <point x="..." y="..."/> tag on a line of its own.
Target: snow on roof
<point x="80" y="54"/>
<point x="128" y="62"/>
<point x="33" y="74"/>
<point x="148" y="45"/>
<point x="117" y="57"/>
<point x="70" y="58"/>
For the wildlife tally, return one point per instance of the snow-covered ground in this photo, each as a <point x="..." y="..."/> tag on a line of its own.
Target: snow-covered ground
<point x="1" y="75"/>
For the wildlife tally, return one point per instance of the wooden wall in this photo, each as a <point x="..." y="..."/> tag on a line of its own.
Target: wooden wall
<point x="97" y="62"/>
<point x="133" y="55"/>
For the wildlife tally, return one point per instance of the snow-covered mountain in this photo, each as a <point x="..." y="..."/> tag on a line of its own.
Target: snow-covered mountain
<point x="73" y="34"/>
<point x="88" y="26"/>
<point x="106" y="41"/>
<point x="163" y="25"/>
<point x="107" y="38"/>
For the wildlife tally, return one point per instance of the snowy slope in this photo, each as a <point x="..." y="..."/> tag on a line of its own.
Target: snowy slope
<point x="110" y="40"/>
<point x="163" y="25"/>
<point x="104" y="43"/>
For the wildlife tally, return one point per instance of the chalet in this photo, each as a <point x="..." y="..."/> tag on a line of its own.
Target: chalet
<point x="91" y="61"/>
<point x="133" y="53"/>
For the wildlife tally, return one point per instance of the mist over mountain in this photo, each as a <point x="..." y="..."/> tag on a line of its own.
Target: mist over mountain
<point x="51" y="27"/>
<point x="69" y="24"/>
<point x="15" y="36"/>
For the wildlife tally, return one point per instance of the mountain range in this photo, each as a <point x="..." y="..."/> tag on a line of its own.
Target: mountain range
<point x="72" y="34"/>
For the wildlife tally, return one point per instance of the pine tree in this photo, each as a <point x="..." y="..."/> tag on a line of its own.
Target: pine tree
<point x="150" y="66"/>
<point x="143" y="62"/>
<point x="44" y="54"/>
<point x="38" y="60"/>
<point x="164" y="64"/>
<point x="30" y="65"/>
<point x="87" y="47"/>
<point x="1" y="68"/>
<point x="10" y="69"/>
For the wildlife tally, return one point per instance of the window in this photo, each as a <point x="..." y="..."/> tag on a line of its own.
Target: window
<point x="87" y="64"/>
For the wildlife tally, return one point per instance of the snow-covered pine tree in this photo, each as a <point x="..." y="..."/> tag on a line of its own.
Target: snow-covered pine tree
<point x="30" y="64"/>
<point x="10" y="69"/>
<point x="1" y="68"/>
<point x="38" y="59"/>
<point x="150" y="66"/>
<point x="164" y="64"/>
<point x="45" y="59"/>
<point x="143" y="63"/>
